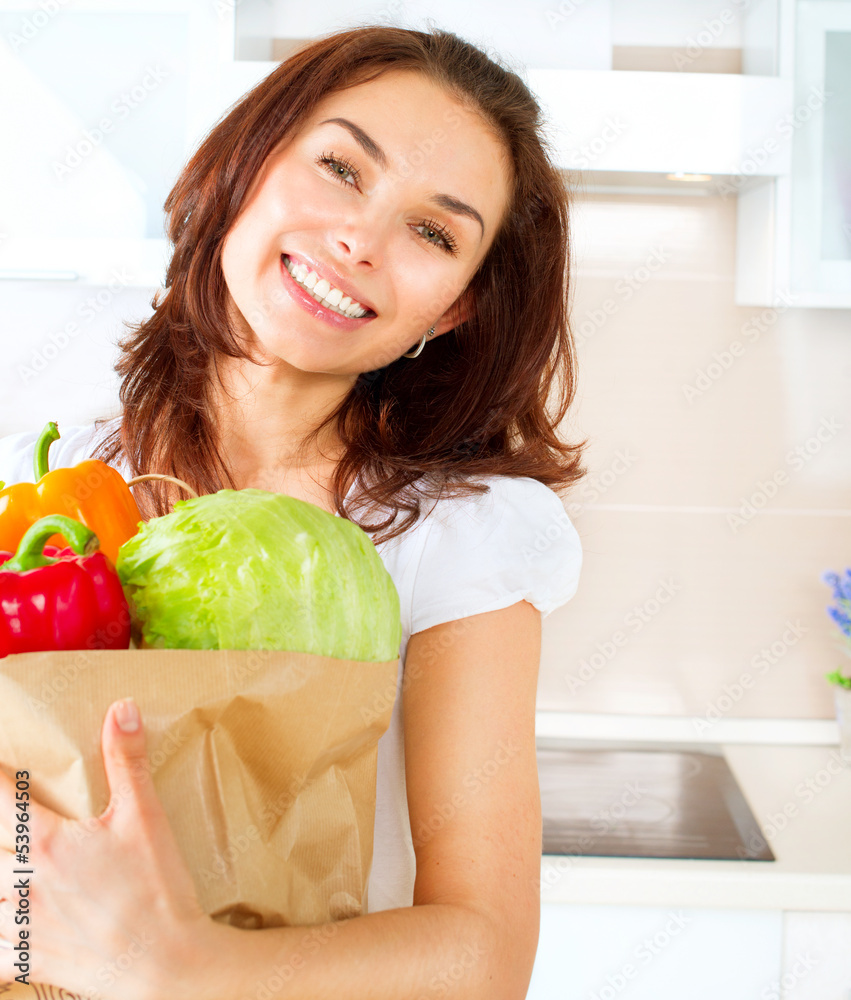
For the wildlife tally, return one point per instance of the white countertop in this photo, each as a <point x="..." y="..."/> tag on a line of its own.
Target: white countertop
<point x="799" y="793"/>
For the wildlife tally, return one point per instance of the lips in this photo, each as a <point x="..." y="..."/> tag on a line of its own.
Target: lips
<point x="333" y="278"/>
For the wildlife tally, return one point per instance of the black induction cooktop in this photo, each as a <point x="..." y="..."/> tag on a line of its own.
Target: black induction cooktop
<point x="625" y="800"/>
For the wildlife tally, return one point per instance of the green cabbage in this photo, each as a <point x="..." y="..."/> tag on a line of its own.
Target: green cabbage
<point x="250" y="569"/>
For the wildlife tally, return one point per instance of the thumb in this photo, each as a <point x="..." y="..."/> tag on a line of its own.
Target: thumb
<point x="125" y="757"/>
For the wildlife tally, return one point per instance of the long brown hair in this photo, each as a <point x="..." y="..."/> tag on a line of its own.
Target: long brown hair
<point x="476" y="402"/>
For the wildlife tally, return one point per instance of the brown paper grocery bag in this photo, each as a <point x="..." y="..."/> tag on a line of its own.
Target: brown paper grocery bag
<point x="265" y="763"/>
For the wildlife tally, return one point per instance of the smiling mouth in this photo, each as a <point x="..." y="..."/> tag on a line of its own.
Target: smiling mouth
<point x="326" y="294"/>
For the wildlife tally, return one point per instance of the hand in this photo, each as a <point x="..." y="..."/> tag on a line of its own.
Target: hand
<point x="112" y="906"/>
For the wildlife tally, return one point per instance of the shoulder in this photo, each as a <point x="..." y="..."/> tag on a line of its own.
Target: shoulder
<point x="76" y="444"/>
<point x="510" y="501"/>
<point x="487" y="551"/>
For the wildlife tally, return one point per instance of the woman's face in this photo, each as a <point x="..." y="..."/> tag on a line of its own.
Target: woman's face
<point x="395" y="204"/>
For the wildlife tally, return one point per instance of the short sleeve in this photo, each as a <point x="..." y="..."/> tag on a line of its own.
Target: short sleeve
<point x="17" y="451"/>
<point x="489" y="551"/>
<point x="16" y="458"/>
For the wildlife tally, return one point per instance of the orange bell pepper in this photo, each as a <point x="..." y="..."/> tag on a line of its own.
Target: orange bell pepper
<point x="92" y="492"/>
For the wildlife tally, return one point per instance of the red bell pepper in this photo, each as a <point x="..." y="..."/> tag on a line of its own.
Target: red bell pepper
<point x="59" y="600"/>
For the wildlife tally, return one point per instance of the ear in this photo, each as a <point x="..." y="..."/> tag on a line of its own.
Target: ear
<point x="463" y="308"/>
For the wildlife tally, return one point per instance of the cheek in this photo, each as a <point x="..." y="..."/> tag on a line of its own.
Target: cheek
<point x="428" y="293"/>
<point x="307" y="199"/>
<point x="253" y="241"/>
<point x="231" y="258"/>
<point x="277" y="208"/>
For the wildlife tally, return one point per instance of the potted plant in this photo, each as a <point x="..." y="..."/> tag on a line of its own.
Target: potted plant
<point x="840" y="612"/>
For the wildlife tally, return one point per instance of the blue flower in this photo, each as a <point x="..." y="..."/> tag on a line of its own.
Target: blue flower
<point x="841" y="611"/>
<point x="842" y="619"/>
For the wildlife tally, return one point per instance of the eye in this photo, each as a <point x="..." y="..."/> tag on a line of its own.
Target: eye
<point x="336" y="164"/>
<point x="445" y="237"/>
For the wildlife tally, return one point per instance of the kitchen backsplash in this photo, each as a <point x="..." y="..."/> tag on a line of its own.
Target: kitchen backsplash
<point x="719" y="462"/>
<point x="719" y="478"/>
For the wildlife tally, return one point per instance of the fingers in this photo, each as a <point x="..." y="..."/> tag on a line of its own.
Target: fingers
<point x="125" y="760"/>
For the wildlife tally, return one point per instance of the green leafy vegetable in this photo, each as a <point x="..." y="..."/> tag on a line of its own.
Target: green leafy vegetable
<point x="250" y="569"/>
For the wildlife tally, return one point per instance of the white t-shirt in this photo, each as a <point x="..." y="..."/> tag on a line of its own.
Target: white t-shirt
<point x="468" y="556"/>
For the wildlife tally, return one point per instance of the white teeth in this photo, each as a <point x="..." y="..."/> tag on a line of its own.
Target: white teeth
<point x="324" y="292"/>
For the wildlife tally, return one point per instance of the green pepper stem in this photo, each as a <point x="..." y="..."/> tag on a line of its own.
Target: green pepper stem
<point x="42" y="447"/>
<point x="30" y="554"/>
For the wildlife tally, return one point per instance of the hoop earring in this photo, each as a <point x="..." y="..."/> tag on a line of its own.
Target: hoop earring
<point x="416" y="353"/>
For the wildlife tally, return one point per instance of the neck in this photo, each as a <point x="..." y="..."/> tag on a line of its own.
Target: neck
<point x="265" y="414"/>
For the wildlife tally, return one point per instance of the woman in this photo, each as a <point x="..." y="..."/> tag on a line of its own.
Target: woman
<point x="366" y="307"/>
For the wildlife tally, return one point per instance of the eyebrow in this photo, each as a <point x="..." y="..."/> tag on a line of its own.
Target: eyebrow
<point x="376" y="153"/>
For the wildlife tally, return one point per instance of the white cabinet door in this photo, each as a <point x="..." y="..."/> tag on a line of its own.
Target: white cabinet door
<point x="794" y="232"/>
<point x="656" y="953"/>
<point x="816" y="957"/>
<point x="821" y="165"/>
<point x="94" y="98"/>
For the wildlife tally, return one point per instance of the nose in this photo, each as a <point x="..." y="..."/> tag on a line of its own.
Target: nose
<point x="362" y="239"/>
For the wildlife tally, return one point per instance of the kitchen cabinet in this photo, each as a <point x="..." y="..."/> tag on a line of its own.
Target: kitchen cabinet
<point x="816" y="956"/>
<point x="663" y="123"/>
<point x="92" y="152"/>
<point x="656" y="953"/>
<point x="794" y="231"/>
<point x="98" y="136"/>
<point x="601" y="121"/>
<point x="665" y="953"/>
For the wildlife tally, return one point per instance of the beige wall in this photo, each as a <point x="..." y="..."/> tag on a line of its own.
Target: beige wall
<point x="668" y="470"/>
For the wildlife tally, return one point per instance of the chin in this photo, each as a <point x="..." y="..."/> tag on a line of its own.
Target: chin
<point x="303" y="357"/>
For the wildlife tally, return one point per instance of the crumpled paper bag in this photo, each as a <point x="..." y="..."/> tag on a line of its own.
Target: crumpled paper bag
<point x="265" y="763"/>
